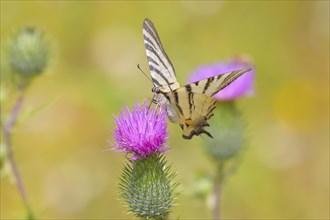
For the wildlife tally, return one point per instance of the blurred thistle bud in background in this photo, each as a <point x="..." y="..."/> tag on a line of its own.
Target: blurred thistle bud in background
<point x="228" y="129"/>
<point x="146" y="184"/>
<point x="28" y="52"/>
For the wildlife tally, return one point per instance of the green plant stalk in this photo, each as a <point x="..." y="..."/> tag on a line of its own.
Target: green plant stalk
<point x="218" y="179"/>
<point x="7" y="134"/>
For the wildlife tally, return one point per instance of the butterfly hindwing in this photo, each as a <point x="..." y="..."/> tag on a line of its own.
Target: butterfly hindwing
<point x="161" y="68"/>
<point x="212" y="85"/>
<point x="193" y="110"/>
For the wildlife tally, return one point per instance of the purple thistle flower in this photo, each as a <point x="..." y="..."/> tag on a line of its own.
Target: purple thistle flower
<point x="243" y="86"/>
<point x="142" y="132"/>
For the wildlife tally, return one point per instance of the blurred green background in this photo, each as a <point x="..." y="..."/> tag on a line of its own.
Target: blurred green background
<point x="284" y="172"/>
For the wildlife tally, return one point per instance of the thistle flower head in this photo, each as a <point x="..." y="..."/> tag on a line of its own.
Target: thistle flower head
<point x="243" y="86"/>
<point x="141" y="132"/>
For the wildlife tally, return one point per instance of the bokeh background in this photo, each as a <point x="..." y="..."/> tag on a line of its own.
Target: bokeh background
<point x="96" y="45"/>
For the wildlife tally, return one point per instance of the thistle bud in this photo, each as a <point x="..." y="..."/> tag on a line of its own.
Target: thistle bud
<point x="228" y="130"/>
<point x="28" y="52"/>
<point x="147" y="187"/>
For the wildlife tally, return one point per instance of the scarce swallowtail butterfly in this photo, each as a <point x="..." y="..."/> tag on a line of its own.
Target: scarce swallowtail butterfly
<point x="190" y="105"/>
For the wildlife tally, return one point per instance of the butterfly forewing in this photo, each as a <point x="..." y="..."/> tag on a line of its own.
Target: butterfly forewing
<point x="212" y="85"/>
<point x="161" y="68"/>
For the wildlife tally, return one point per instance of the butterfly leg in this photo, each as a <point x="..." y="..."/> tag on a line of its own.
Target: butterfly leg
<point x="152" y="100"/>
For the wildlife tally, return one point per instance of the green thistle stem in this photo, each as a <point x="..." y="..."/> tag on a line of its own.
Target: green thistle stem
<point x="7" y="136"/>
<point x="217" y="190"/>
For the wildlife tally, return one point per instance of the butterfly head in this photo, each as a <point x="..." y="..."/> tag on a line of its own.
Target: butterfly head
<point x="190" y="129"/>
<point x="157" y="90"/>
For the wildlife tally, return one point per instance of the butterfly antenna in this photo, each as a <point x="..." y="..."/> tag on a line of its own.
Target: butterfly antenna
<point x="138" y="66"/>
<point x="153" y="97"/>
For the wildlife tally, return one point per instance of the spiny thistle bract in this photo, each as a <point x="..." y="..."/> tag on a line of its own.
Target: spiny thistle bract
<point x="147" y="187"/>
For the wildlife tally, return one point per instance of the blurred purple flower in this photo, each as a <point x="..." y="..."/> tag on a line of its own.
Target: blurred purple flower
<point x="141" y="132"/>
<point x="243" y="86"/>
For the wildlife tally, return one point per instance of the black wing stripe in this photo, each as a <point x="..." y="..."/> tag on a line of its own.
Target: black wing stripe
<point x="149" y="27"/>
<point x="209" y="116"/>
<point x="211" y="110"/>
<point x="190" y="101"/>
<point x="208" y="83"/>
<point x="151" y="60"/>
<point x="147" y="40"/>
<point x="190" y="97"/>
<point x="154" y="69"/>
<point x="152" y="50"/>
<point x="154" y="38"/>
<point x="188" y="88"/>
<point x="224" y="80"/>
<point x="229" y="78"/>
<point x="155" y="81"/>
<point x="176" y="100"/>
<point x="211" y="107"/>
<point x="151" y="30"/>
<point x="221" y="83"/>
<point x="219" y="77"/>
